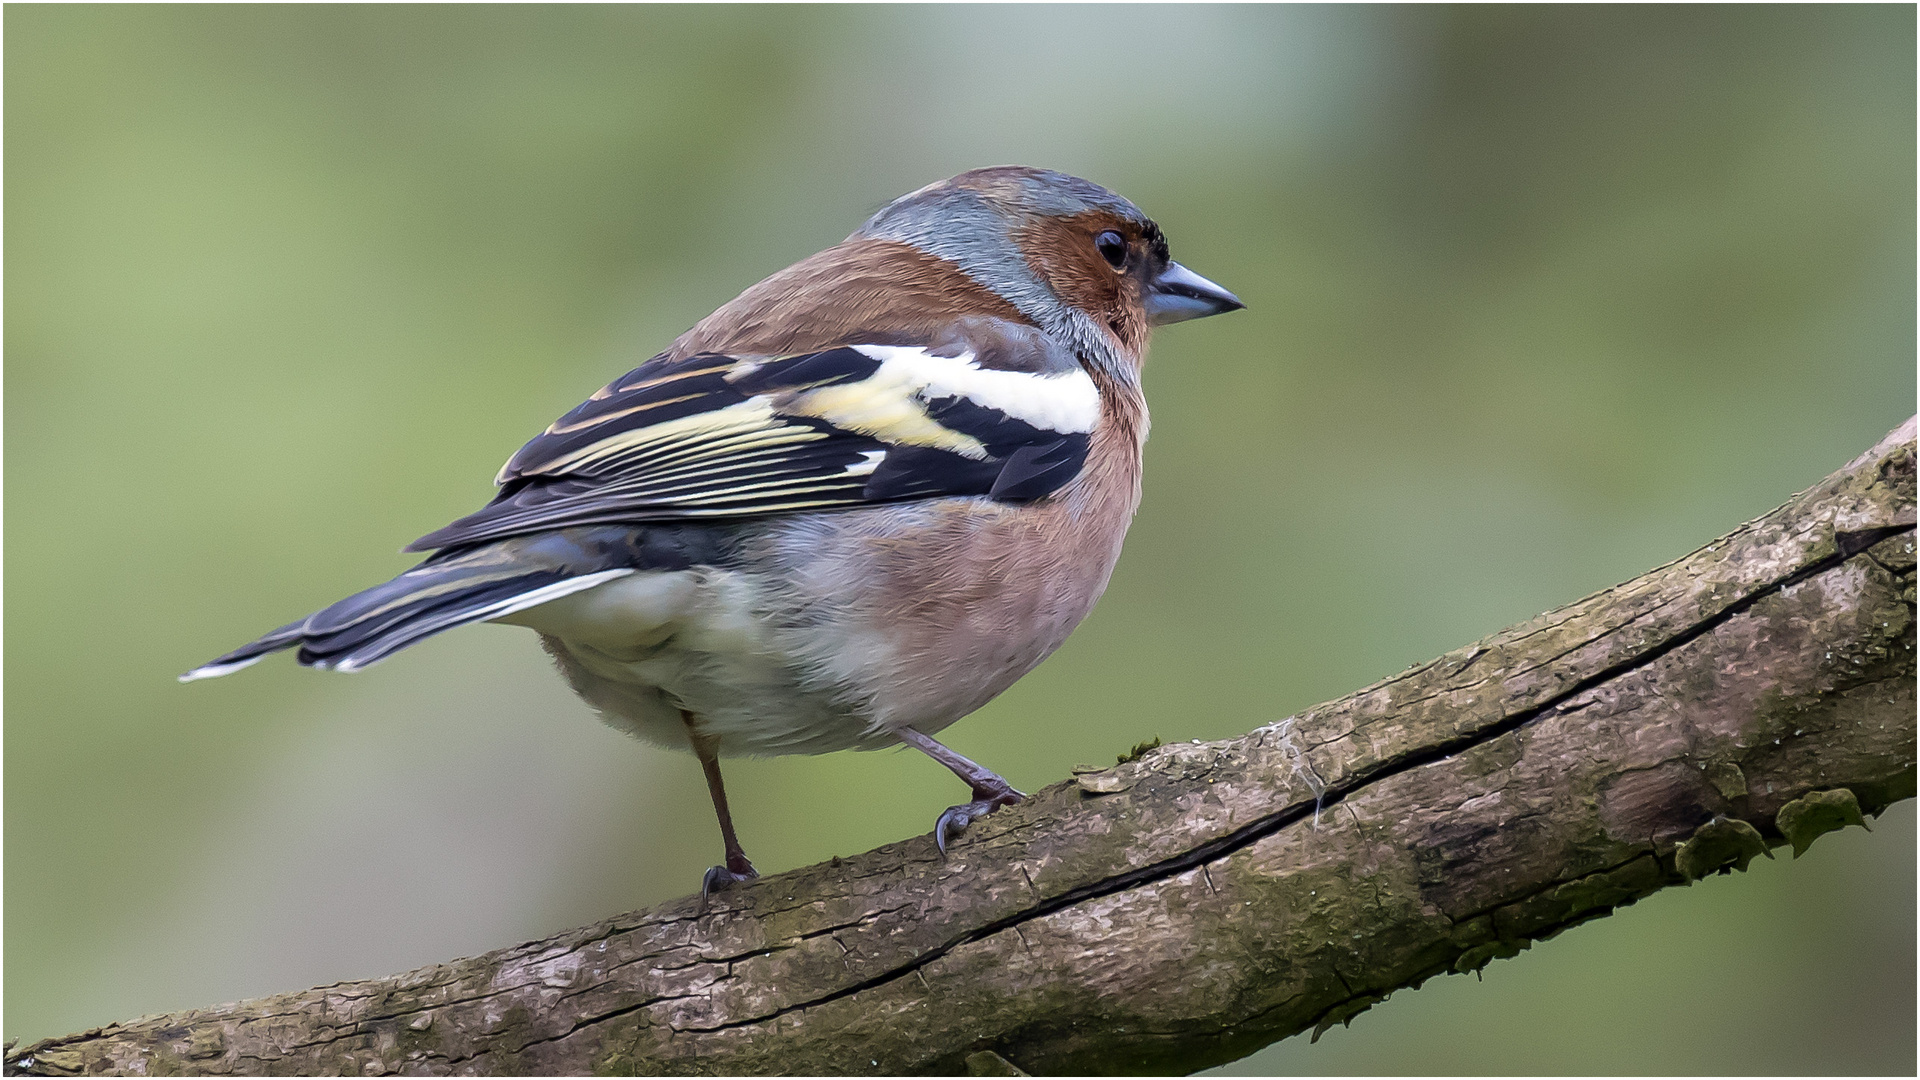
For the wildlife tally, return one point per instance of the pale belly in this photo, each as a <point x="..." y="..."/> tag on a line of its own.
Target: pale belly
<point x="831" y="630"/>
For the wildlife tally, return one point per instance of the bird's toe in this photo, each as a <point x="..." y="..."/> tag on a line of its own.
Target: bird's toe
<point x="721" y="878"/>
<point x="957" y="818"/>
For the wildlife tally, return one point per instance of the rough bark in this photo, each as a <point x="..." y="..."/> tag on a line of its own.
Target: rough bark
<point x="1188" y="907"/>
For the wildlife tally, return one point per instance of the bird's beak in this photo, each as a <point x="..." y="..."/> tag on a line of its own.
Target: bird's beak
<point x="1179" y="294"/>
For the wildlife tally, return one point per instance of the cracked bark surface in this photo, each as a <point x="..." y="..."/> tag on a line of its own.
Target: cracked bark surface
<point x="1191" y="906"/>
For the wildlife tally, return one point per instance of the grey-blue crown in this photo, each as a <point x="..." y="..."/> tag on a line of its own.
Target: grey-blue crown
<point x="1006" y="193"/>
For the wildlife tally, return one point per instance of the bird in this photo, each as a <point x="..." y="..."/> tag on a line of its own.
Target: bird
<point x="849" y="507"/>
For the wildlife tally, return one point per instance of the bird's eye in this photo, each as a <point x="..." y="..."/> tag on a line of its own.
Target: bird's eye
<point x="1113" y="248"/>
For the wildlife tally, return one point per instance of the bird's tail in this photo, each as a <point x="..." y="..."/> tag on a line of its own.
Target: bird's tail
<point x="448" y="590"/>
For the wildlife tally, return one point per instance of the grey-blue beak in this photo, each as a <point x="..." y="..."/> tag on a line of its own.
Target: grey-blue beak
<point x="1179" y="294"/>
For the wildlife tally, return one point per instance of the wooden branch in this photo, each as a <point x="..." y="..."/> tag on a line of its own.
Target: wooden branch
<point x="1191" y="906"/>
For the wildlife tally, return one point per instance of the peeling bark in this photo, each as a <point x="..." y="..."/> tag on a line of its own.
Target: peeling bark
<point x="1189" y="907"/>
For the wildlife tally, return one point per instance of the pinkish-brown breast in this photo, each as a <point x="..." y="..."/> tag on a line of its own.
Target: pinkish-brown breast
<point x="940" y="606"/>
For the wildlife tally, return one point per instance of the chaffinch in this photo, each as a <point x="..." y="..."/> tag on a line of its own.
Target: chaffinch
<point x="847" y="509"/>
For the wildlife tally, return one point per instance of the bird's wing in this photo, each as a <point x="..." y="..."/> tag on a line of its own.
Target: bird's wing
<point x="712" y="436"/>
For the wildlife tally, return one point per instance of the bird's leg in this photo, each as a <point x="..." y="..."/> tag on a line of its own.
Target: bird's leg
<point x="736" y="868"/>
<point x="990" y="792"/>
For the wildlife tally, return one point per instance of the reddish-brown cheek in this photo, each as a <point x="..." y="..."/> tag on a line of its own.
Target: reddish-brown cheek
<point x="1129" y="320"/>
<point x="1061" y="252"/>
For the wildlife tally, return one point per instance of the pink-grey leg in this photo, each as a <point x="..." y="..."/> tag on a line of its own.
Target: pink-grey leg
<point x="990" y="792"/>
<point x="736" y="869"/>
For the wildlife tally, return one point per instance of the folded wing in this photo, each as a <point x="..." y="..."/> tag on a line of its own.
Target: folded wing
<point x="710" y="436"/>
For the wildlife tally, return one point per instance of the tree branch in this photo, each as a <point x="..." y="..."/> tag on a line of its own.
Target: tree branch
<point x="1188" y="907"/>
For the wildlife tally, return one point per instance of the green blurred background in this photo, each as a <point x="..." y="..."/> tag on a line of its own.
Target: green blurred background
<point x="1539" y="298"/>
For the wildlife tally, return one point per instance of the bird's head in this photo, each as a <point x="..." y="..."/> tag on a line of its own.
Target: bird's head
<point x="1051" y="244"/>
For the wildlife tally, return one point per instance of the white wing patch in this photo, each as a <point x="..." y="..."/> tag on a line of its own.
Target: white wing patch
<point x="891" y="404"/>
<point x="1068" y="403"/>
<point x="869" y="461"/>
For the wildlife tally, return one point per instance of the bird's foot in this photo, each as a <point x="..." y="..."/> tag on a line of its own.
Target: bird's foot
<point x="986" y="799"/>
<point x="720" y="878"/>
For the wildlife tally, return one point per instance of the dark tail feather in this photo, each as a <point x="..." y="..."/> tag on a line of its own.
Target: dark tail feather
<point x="437" y="595"/>
<point x="250" y="654"/>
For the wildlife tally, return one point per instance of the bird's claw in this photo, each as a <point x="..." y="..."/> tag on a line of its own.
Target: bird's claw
<point x="721" y="878"/>
<point x="957" y="818"/>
